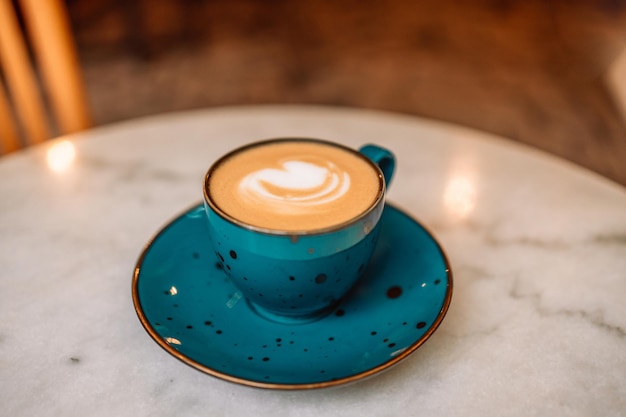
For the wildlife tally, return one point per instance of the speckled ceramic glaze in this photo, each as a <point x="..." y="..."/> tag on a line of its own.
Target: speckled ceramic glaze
<point x="298" y="275"/>
<point x="192" y="309"/>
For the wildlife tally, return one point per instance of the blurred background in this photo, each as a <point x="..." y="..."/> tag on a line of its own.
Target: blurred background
<point x="535" y="71"/>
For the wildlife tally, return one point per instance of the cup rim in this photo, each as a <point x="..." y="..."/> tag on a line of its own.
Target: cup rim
<point x="380" y="195"/>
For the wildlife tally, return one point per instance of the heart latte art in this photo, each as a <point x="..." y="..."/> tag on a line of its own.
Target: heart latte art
<point x="294" y="185"/>
<point x="297" y="186"/>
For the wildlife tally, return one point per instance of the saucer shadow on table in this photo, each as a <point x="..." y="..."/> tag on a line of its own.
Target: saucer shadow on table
<point x="191" y="309"/>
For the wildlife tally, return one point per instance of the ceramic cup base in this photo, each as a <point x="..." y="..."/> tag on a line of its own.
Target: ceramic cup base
<point x="292" y="318"/>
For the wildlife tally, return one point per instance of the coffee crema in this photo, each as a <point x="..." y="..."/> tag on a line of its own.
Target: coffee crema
<point x="294" y="185"/>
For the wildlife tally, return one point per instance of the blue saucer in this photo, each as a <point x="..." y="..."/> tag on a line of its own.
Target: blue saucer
<point x="192" y="310"/>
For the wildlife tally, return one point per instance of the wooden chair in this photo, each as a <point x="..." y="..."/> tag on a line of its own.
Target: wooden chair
<point x="616" y="80"/>
<point x="44" y="98"/>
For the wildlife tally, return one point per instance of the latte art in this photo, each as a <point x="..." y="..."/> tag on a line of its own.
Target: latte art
<point x="298" y="186"/>
<point x="294" y="185"/>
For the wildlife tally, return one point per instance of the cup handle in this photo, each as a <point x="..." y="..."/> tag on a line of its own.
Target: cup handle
<point x="382" y="157"/>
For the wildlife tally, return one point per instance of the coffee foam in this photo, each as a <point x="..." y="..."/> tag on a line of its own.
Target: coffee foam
<point x="294" y="185"/>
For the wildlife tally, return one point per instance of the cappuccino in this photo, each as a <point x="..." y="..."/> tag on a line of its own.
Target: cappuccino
<point x="294" y="185"/>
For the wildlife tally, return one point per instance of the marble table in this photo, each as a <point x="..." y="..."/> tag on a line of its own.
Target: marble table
<point x="537" y="323"/>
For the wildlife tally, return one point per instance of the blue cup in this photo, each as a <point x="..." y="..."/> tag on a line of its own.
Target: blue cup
<point x="296" y="276"/>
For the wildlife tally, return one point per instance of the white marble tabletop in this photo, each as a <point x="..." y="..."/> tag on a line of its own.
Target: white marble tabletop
<point x="537" y="324"/>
